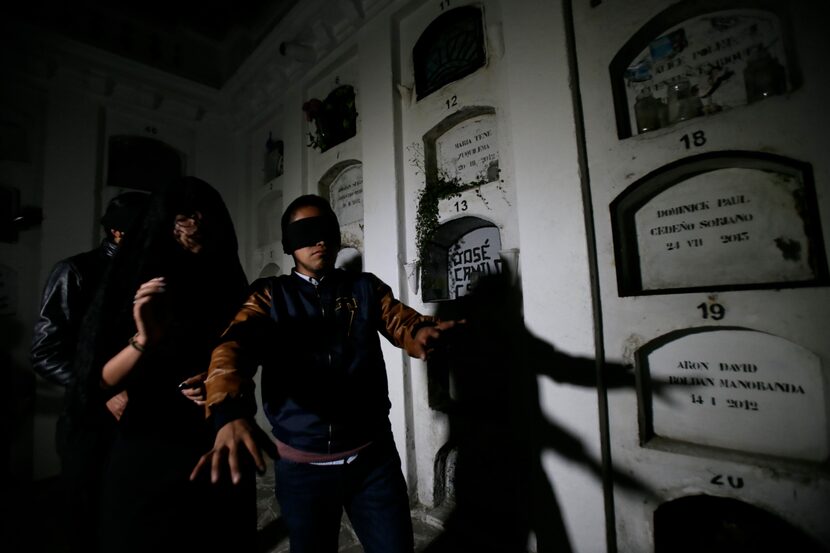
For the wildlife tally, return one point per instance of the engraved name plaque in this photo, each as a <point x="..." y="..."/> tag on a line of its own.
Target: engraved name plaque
<point x="347" y="195"/>
<point x="469" y="151"/>
<point x="738" y="389"/>
<point x="719" y="223"/>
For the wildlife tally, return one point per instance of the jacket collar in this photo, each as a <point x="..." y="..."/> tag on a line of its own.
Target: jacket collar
<point x="329" y="279"/>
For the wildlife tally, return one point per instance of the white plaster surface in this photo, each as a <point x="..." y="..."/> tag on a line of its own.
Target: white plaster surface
<point x="742" y="390"/>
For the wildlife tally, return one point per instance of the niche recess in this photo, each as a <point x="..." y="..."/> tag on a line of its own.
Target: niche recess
<point x="461" y="251"/>
<point x="700" y="58"/>
<point x="335" y="118"/>
<point x="450" y="48"/>
<point x="463" y="148"/>
<point x="342" y="185"/>
<point x="733" y="388"/>
<point x="719" y="221"/>
<point x="704" y="523"/>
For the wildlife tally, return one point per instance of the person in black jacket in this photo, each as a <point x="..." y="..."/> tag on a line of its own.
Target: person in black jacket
<point x="70" y="288"/>
<point x="324" y="390"/>
<point x="67" y="295"/>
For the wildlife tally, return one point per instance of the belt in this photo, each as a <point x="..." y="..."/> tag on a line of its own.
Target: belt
<point x="344" y="461"/>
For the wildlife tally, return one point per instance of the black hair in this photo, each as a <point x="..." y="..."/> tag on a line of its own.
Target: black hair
<point x="212" y="282"/>
<point x="308" y="200"/>
<point x="125" y="211"/>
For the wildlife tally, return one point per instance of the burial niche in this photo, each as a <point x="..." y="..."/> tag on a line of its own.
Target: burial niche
<point x="697" y="58"/>
<point x="709" y="524"/>
<point x="343" y="186"/>
<point x="737" y="389"/>
<point x="460" y="252"/>
<point x="451" y="47"/>
<point x="719" y="221"/>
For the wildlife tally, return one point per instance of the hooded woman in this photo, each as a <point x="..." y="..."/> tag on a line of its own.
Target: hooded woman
<point x="162" y="306"/>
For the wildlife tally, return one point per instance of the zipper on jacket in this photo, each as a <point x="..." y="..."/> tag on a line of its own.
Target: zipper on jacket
<point x="323" y="315"/>
<point x="320" y="301"/>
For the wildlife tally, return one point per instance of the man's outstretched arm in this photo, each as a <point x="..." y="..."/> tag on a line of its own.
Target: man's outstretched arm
<point x="229" y="386"/>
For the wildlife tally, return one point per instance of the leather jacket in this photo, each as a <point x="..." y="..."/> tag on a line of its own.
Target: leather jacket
<point x="68" y="292"/>
<point x="324" y="385"/>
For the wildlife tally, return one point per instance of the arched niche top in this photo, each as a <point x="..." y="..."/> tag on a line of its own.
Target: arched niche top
<point x="141" y="163"/>
<point x="450" y="48"/>
<point x="733" y="388"/>
<point x="719" y="221"/>
<point x="270" y="270"/>
<point x="431" y="137"/>
<point x="324" y="184"/>
<point x="724" y="524"/>
<point x="448" y="233"/>
<point x="460" y="251"/>
<point x="698" y="58"/>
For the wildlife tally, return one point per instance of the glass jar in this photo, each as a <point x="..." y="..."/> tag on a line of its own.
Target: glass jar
<point x="682" y="102"/>
<point x="764" y="76"/>
<point x="649" y="112"/>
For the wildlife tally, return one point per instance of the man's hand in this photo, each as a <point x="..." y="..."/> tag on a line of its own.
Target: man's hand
<point x="425" y="337"/>
<point x="227" y="443"/>
<point x="117" y="403"/>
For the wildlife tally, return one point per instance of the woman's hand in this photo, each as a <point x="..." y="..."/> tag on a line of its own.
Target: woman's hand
<point x="151" y="317"/>
<point x="193" y="388"/>
<point x="149" y="312"/>
<point x="117" y="403"/>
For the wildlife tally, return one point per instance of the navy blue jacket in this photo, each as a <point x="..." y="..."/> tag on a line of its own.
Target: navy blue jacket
<point x="324" y="386"/>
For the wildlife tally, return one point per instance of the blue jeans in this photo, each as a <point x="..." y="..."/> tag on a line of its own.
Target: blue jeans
<point x="371" y="489"/>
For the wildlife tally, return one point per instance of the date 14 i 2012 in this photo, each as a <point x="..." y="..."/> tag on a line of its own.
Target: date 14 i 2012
<point x="745" y="404"/>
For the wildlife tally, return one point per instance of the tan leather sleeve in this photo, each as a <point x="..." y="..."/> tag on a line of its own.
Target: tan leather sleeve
<point x="399" y="319"/>
<point x="226" y="374"/>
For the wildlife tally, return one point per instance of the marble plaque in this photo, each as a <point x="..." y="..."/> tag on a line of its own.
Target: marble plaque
<point x="472" y="256"/>
<point x="742" y="390"/>
<point x="469" y="151"/>
<point x="731" y="226"/>
<point x="346" y="193"/>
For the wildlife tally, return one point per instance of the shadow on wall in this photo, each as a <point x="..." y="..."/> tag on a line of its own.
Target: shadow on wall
<point x="497" y="427"/>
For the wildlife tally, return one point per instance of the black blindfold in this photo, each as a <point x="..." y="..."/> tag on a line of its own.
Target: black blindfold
<point x="309" y="231"/>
